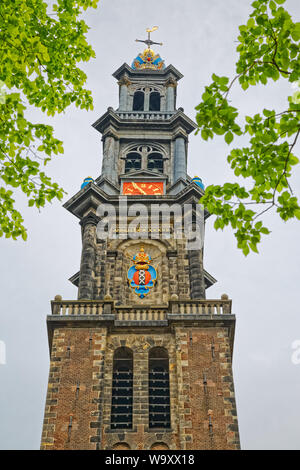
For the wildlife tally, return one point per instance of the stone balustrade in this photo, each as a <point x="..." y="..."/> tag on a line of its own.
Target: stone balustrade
<point x="77" y="307"/>
<point x="136" y="313"/>
<point x="145" y="115"/>
<point x="201" y="307"/>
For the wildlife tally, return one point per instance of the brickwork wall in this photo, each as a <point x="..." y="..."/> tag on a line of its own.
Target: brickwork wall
<point x="207" y="411"/>
<point x="73" y="405"/>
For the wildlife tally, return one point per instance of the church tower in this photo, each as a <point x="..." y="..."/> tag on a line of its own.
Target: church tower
<point x="142" y="359"/>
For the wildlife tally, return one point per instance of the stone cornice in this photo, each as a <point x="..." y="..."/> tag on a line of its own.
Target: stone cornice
<point x="112" y="119"/>
<point x="89" y="198"/>
<point x="172" y="321"/>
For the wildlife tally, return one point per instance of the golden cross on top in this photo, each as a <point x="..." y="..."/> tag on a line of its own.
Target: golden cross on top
<point x="148" y="41"/>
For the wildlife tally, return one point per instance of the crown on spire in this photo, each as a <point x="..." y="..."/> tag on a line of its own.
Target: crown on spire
<point x="148" y="59"/>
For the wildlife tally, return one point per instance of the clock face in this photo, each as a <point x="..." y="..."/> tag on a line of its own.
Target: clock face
<point x="135" y="188"/>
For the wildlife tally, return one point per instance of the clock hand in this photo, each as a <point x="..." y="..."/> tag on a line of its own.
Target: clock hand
<point x="137" y="187"/>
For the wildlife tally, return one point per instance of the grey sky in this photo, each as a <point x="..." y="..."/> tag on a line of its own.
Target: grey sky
<point x="198" y="37"/>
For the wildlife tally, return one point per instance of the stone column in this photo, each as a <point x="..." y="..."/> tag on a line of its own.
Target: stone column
<point x="123" y="83"/>
<point x="100" y="265"/>
<point x="123" y="98"/>
<point x="165" y="279"/>
<point x="147" y="99"/>
<point x="197" y="283"/>
<point x="179" y="159"/>
<point x="88" y="256"/>
<point x="108" y="161"/>
<point x="173" y="281"/>
<point x="144" y="162"/>
<point x="170" y="104"/>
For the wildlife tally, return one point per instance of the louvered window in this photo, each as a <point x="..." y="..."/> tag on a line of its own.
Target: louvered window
<point x="156" y="162"/>
<point x="122" y="389"/>
<point x="138" y="101"/>
<point x="154" y="102"/>
<point x="159" y="389"/>
<point x="133" y="162"/>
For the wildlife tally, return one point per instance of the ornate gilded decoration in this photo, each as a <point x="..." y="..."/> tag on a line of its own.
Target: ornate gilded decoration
<point x="148" y="60"/>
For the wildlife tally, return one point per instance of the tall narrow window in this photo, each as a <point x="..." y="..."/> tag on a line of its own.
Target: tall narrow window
<point x="154" y="102"/>
<point x="159" y="389"/>
<point x="138" y="101"/>
<point x="122" y="389"/>
<point x="155" y="162"/>
<point x="133" y="162"/>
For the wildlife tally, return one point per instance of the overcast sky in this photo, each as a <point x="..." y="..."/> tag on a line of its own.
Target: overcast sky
<point x="198" y="39"/>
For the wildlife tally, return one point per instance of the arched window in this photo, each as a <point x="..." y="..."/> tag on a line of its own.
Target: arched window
<point x="159" y="446"/>
<point x="121" y="446"/>
<point x="154" y="102"/>
<point x="155" y="162"/>
<point x="122" y="389"/>
<point x="159" y="389"/>
<point x="138" y="101"/>
<point x="133" y="162"/>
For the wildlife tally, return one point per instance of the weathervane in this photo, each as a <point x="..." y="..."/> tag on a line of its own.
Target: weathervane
<point x="148" y="41"/>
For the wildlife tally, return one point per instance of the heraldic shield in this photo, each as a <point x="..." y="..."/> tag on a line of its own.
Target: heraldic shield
<point x="142" y="276"/>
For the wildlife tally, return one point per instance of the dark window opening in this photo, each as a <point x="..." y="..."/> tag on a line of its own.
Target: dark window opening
<point x="159" y="389"/>
<point x="155" y="162"/>
<point x="154" y="103"/>
<point x="122" y="389"/>
<point x="138" y="101"/>
<point x="133" y="162"/>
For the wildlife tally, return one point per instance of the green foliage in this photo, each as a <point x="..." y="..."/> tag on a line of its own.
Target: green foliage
<point x="268" y="48"/>
<point x="38" y="65"/>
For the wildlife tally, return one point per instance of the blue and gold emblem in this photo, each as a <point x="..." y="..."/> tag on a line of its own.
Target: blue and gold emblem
<point x="148" y="60"/>
<point x="142" y="276"/>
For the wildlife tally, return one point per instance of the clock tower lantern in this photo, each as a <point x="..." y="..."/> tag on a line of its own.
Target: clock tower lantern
<point x="142" y="359"/>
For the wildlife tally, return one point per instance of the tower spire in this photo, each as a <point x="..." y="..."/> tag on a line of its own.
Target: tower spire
<point x="149" y="41"/>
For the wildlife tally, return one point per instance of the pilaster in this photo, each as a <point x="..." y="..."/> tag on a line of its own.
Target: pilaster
<point x="88" y="257"/>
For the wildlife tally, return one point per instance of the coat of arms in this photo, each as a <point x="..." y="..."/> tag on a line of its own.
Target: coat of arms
<point x="141" y="275"/>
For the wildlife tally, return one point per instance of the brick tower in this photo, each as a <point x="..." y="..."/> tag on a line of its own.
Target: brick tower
<point x="142" y="360"/>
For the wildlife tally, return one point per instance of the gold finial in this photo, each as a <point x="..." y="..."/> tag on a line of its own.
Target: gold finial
<point x="148" y="41"/>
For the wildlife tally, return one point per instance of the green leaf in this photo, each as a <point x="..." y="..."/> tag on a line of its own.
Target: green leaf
<point x="253" y="247"/>
<point x="297" y="213"/>
<point x="228" y="137"/>
<point x="245" y="85"/>
<point x="246" y="250"/>
<point x="295" y="33"/>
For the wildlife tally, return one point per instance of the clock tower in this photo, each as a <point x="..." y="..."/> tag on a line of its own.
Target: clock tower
<point x="142" y="359"/>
